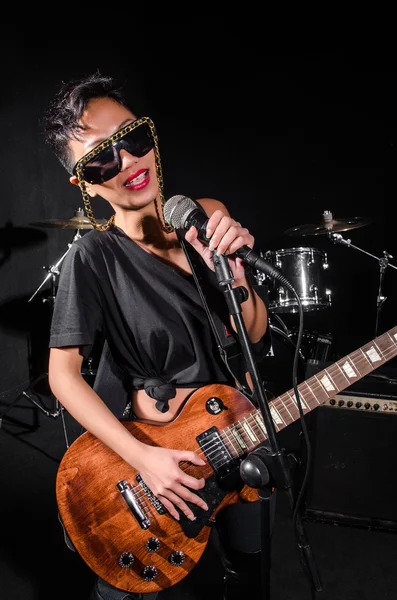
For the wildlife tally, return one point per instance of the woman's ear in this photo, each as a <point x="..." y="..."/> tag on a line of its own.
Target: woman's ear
<point x="73" y="179"/>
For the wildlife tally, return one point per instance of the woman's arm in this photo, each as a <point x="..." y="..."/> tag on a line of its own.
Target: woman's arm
<point x="227" y="235"/>
<point x="159" y="467"/>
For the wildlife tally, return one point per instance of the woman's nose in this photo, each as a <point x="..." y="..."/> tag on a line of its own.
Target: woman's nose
<point x="127" y="159"/>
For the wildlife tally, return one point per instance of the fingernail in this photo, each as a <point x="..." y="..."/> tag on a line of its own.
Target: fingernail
<point x="176" y="517"/>
<point x="192" y="518"/>
<point x="205" y="507"/>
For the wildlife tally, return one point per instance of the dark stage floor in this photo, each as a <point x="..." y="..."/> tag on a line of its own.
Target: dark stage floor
<point x="354" y="563"/>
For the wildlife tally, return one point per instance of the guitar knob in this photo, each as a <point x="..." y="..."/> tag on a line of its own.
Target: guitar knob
<point x="152" y="544"/>
<point x="149" y="573"/>
<point x="126" y="560"/>
<point x="177" y="558"/>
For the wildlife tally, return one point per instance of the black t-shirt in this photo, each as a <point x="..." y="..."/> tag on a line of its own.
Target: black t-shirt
<point x="150" y="314"/>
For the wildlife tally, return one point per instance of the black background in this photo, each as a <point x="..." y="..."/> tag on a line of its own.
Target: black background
<point x="280" y="131"/>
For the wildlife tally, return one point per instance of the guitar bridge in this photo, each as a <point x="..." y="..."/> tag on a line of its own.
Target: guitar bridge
<point x="125" y="490"/>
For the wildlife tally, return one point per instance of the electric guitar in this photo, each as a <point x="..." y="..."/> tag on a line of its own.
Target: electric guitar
<point x="123" y="532"/>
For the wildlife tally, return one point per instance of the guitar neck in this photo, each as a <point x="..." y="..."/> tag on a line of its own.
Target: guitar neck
<point x="250" y="431"/>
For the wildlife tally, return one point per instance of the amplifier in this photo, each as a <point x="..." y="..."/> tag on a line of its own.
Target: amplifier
<point x="356" y="401"/>
<point x="353" y="480"/>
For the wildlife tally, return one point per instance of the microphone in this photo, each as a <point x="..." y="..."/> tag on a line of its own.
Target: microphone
<point x="182" y="213"/>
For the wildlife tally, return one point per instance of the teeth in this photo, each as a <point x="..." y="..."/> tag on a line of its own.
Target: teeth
<point x="138" y="179"/>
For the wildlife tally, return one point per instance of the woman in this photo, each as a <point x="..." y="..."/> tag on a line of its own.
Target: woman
<point x="130" y="282"/>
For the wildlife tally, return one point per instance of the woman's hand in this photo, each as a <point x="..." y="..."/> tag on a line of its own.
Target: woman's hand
<point x="161" y="472"/>
<point x="226" y="236"/>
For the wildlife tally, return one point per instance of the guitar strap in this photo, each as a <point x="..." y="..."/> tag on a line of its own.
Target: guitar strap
<point x="228" y="347"/>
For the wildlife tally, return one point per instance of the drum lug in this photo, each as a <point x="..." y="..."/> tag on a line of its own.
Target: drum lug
<point x="314" y="288"/>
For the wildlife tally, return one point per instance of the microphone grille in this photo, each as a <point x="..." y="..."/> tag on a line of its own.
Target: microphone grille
<point x="176" y="209"/>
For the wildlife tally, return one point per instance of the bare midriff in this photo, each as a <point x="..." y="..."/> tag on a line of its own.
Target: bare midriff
<point x="144" y="407"/>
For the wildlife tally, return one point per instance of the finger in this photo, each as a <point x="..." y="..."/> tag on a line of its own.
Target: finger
<point x="169" y="506"/>
<point x="191" y="457"/>
<point x="232" y="236"/>
<point x="213" y="222"/>
<point x="191" y="234"/>
<point x="187" y="495"/>
<point x="220" y="231"/>
<point x="178" y="502"/>
<point x="192" y="482"/>
<point x="241" y="240"/>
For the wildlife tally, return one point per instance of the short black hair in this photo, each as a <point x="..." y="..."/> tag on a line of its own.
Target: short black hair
<point x="61" y="120"/>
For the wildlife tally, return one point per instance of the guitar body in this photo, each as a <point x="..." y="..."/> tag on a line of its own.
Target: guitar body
<point x="122" y="531"/>
<point x="101" y="524"/>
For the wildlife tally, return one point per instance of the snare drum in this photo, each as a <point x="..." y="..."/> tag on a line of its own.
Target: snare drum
<point x="304" y="269"/>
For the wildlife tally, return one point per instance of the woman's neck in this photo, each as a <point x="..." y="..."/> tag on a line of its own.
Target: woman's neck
<point x="146" y="230"/>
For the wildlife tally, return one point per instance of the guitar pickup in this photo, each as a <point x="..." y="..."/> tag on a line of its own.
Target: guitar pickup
<point x="217" y="454"/>
<point x="128" y="494"/>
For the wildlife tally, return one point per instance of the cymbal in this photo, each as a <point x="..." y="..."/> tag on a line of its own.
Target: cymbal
<point x="78" y="222"/>
<point x="328" y="225"/>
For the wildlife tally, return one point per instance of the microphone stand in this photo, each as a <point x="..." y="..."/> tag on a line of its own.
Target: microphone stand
<point x="383" y="264"/>
<point x="264" y="469"/>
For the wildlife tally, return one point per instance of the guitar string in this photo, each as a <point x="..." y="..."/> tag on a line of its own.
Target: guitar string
<point x="206" y="451"/>
<point x="316" y="384"/>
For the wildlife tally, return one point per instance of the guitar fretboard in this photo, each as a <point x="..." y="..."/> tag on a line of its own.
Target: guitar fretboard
<point x="247" y="433"/>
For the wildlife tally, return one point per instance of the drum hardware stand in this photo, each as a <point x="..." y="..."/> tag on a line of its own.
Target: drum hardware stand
<point x="264" y="468"/>
<point x="383" y="264"/>
<point x="53" y="273"/>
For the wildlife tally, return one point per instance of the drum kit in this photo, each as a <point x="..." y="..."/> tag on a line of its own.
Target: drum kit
<point x="305" y="269"/>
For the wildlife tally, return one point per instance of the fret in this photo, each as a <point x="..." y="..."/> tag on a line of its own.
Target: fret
<point x="329" y="380"/>
<point x="374" y="355"/>
<point x="238" y="448"/>
<point x="354" y="359"/>
<point x="314" y="391"/>
<point x="258" y="418"/>
<point x="391" y="337"/>
<point x="286" y="407"/>
<point x="387" y="346"/>
<point x="283" y="412"/>
<point x="367" y="359"/>
<point x="255" y="427"/>
<point x="239" y="439"/>
<point x="303" y="403"/>
<point x="379" y="350"/>
<point x="292" y="406"/>
<point x="347" y="371"/>
<point x="337" y="377"/>
<point x="277" y="418"/>
<point x="246" y="434"/>
<point x="304" y="400"/>
<point x="322" y="393"/>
